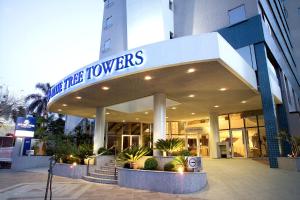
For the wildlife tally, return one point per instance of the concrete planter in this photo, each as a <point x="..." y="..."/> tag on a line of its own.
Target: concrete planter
<point x="162" y="181"/>
<point x="69" y="170"/>
<point x="20" y="163"/>
<point x="292" y="164"/>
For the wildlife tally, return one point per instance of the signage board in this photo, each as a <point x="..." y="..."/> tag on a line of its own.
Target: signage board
<point x="25" y="127"/>
<point x="194" y="162"/>
<point x="98" y="70"/>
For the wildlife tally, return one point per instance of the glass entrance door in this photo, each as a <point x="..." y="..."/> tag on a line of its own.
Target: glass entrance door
<point x="130" y="140"/>
<point x="238" y="144"/>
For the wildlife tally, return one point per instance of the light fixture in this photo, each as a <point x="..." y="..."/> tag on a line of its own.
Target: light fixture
<point x="78" y="97"/>
<point x="243" y="101"/>
<point x="193" y="113"/>
<point x="105" y="88"/>
<point x="59" y="110"/>
<point x="167" y="117"/>
<point x="190" y="70"/>
<point x="191" y="95"/>
<point x="123" y="120"/>
<point x="222" y="89"/>
<point x="148" y="78"/>
<point x="146" y="113"/>
<point x="64" y="105"/>
<point x="180" y="170"/>
<point x="94" y="115"/>
<point x="137" y="119"/>
<point x="216" y="106"/>
<point x="108" y="113"/>
<point x="173" y="108"/>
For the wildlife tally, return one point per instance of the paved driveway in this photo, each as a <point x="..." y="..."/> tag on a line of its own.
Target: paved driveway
<point x="227" y="179"/>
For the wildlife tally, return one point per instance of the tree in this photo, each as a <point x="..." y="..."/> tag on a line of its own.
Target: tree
<point x="38" y="101"/>
<point x="19" y="111"/>
<point x="8" y="103"/>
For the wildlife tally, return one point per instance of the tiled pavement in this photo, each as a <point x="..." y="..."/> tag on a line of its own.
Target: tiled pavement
<point x="227" y="179"/>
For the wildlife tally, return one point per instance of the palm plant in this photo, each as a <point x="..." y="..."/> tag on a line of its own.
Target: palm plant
<point x="294" y="141"/>
<point x="38" y="101"/>
<point x="133" y="154"/>
<point x="170" y="145"/>
<point x="181" y="161"/>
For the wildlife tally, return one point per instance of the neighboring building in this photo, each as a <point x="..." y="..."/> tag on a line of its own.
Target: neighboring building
<point x="218" y="74"/>
<point x="292" y="13"/>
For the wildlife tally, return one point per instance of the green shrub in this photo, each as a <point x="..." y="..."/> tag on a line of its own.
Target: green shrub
<point x="72" y="159"/>
<point x="84" y="151"/>
<point x="169" y="167"/>
<point x="151" y="164"/>
<point x="127" y="165"/>
<point x="104" y="151"/>
<point x="183" y="152"/>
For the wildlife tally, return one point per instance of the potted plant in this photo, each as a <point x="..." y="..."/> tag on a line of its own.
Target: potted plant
<point x="293" y="160"/>
<point x="132" y="154"/>
<point x="168" y="146"/>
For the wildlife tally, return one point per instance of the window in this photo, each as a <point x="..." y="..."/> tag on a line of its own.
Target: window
<point x="106" y="45"/>
<point x="108" y="22"/>
<point x="171" y="4"/>
<point x="288" y="90"/>
<point x="237" y="14"/>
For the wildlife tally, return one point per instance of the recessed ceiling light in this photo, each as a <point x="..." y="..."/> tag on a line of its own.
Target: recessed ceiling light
<point x="59" y="110"/>
<point x="223" y="89"/>
<point x="167" y="117"/>
<point x="216" y="106"/>
<point x="191" y="70"/>
<point x="146" y="113"/>
<point x="243" y="101"/>
<point x="123" y="120"/>
<point x="105" y="88"/>
<point x="78" y="97"/>
<point x="193" y="113"/>
<point x="191" y="95"/>
<point x="107" y="113"/>
<point x="94" y="115"/>
<point x="173" y="108"/>
<point x="64" y="105"/>
<point x="148" y="78"/>
<point x="137" y="119"/>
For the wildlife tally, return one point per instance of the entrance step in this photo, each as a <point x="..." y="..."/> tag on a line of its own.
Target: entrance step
<point x="99" y="180"/>
<point x="106" y="171"/>
<point x="103" y="176"/>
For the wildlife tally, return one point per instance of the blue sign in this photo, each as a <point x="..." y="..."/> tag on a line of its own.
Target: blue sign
<point x="98" y="70"/>
<point x="26" y="145"/>
<point x="26" y="124"/>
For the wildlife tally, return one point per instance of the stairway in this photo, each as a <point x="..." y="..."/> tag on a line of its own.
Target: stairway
<point x="107" y="174"/>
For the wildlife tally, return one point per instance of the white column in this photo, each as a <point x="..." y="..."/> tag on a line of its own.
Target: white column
<point x="213" y="135"/>
<point x="99" y="129"/>
<point x="159" y="118"/>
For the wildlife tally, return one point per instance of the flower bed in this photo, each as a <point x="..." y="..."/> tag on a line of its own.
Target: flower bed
<point x="162" y="181"/>
<point x="70" y="170"/>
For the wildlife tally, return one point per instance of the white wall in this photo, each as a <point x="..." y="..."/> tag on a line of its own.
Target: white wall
<point x="148" y="22"/>
<point x="202" y="16"/>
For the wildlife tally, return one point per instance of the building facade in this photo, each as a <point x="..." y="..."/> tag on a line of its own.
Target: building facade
<point x="219" y="74"/>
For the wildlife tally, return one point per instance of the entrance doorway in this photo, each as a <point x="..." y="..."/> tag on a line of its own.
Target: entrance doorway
<point x="129" y="140"/>
<point x="238" y="147"/>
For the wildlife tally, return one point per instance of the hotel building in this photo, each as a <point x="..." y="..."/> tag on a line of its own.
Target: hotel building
<point x="219" y="74"/>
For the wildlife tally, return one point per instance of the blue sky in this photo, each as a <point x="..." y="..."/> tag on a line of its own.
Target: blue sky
<point x="44" y="40"/>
